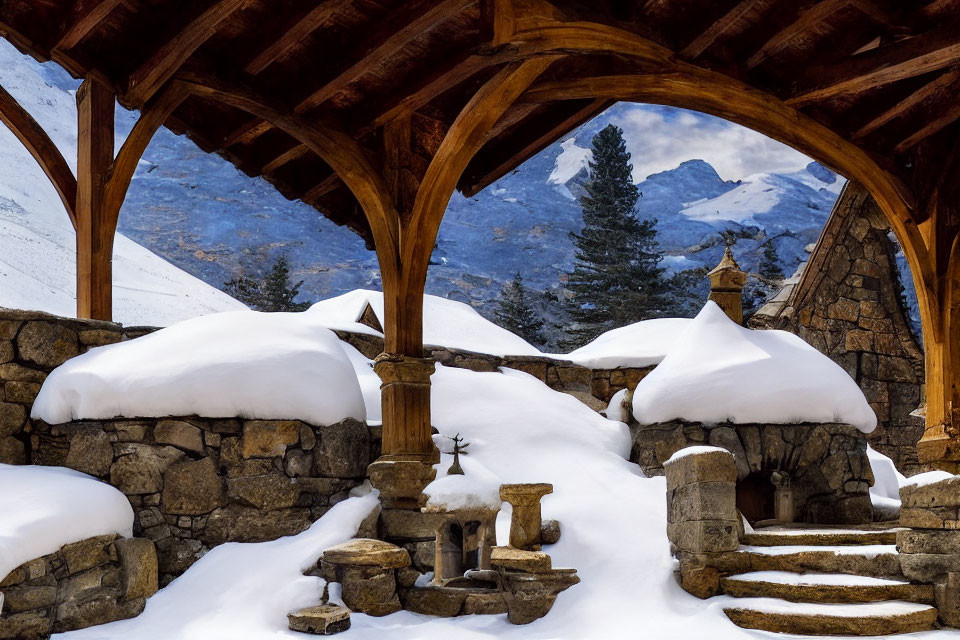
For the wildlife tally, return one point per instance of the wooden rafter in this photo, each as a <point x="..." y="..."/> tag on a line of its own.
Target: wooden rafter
<point x="322" y="188"/>
<point x="301" y="27"/>
<point x="246" y="132"/>
<point x="86" y="16"/>
<point x="291" y="154"/>
<point x="405" y="24"/>
<point x="935" y="86"/>
<point x="805" y="20"/>
<point x="42" y="148"/>
<point x="717" y="28"/>
<point x="168" y="58"/>
<point x="444" y="76"/>
<point x="904" y="59"/>
<point x="949" y="114"/>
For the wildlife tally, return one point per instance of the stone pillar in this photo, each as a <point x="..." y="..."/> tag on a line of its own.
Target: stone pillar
<point x="726" y="286"/>
<point x="930" y="549"/>
<point x="525" y="524"/>
<point x="702" y="512"/>
<point x="405" y="467"/>
<point x="367" y="572"/>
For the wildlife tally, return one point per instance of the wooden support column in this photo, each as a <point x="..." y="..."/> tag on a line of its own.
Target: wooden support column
<point x="95" y="106"/>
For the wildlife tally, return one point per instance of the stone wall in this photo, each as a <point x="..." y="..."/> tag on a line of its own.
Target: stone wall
<point x="594" y="387"/>
<point x="86" y="583"/>
<point x="195" y="482"/>
<point x="827" y="463"/>
<point x="32" y="344"/>
<point x="847" y="304"/>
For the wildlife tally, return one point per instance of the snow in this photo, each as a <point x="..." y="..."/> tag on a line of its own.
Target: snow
<point x="641" y="344"/>
<point x="721" y="372"/>
<point x="758" y="194"/>
<point x="774" y="605"/>
<point x="38" y="243"/>
<point x="885" y="492"/>
<point x="929" y="477"/>
<point x="477" y="488"/>
<point x="45" y="508"/>
<point x="616" y="410"/>
<point x="866" y="550"/>
<point x="692" y="451"/>
<point x="570" y="162"/>
<point x="828" y="579"/>
<point x="238" y="364"/>
<point x="446" y="323"/>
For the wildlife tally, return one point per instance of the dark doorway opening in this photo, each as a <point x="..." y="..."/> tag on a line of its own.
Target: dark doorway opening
<point x="755" y="497"/>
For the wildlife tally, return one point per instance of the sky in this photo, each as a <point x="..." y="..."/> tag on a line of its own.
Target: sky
<point x="660" y="138"/>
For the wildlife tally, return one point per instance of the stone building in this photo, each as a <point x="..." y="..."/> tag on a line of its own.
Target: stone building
<point x="846" y="303"/>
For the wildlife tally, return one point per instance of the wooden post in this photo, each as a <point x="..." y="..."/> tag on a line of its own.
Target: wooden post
<point x="95" y="106"/>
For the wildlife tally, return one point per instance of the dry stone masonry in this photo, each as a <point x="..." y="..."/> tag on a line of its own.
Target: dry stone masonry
<point x="91" y="582"/>
<point x="195" y="482"/>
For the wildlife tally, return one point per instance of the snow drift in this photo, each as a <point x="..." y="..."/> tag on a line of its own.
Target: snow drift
<point x="44" y="508"/>
<point x="238" y="364"/>
<point x="640" y="344"/>
<point x="446" y="323"/>
<point x="722" y="372"/>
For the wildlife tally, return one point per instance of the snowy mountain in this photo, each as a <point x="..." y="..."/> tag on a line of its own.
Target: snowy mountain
<point x="37" y="241"/>
<point x="203" y="215"/>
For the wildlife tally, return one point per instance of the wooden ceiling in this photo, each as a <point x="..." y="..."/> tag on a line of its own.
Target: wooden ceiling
<point x="884" y="74"/>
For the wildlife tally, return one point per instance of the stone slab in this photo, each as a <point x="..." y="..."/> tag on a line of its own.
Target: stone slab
<point x="520" y="560"/>
<point x="367" y="552"/>
<point x="322" y="620"/>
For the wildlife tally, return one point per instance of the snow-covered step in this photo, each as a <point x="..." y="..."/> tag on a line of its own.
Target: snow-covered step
<point x="821" y="537"/>
<point x="823" y="587"/>
<point x="868" y="619"/>
<point x="866" y="560"/>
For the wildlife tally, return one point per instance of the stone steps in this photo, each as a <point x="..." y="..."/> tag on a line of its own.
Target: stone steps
<point x="820" y="537"/>
<point x="867" y="619"/>
<point x="823" y="588"/>
<point x="863" y="560"/>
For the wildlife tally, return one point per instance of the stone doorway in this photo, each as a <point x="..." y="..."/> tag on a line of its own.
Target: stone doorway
<point x="755" y="497"/>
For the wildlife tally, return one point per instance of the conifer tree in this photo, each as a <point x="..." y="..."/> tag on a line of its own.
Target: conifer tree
<point x="616" y="278"/>
<point x="515" y="313"/>
<point x="274" y="292"/>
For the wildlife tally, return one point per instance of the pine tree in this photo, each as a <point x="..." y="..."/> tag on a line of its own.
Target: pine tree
<point x="616" y="278"/>
<point x="769" y="265"/>
<point x="273" y="293"/>
<point x="515" y="313"/>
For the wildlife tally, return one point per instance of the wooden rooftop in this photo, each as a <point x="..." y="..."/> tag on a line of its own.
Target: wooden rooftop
<point x="882" y="73"/>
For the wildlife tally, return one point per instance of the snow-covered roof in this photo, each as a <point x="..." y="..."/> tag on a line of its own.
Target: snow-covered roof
<point x="446" y="323"/>
<point x="238" y="364"/>
<point x="45" y="508"/>
<point x="641" y="344"/>
<point x="719" y="372"/>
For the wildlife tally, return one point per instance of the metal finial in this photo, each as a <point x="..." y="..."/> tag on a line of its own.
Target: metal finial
<point x="459" y="446"/>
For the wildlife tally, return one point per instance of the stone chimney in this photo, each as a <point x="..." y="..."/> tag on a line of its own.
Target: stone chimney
<point x="726" y="286"/>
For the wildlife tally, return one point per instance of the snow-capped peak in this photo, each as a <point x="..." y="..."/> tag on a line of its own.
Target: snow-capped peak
<point x="571" y="160"/>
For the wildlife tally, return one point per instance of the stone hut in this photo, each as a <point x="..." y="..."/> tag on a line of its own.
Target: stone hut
<point x="793" y="420"/>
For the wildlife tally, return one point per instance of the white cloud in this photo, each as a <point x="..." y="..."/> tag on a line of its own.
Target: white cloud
<point x="660" y="138"/>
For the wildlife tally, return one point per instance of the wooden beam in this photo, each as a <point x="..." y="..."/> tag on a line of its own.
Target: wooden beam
<point x="289" y="155"/>
<point x="948" y="115"/>
<point x="167" y="59"/>
<point x="805" y="20"/>
<point x="900" y="60"/>
<point x="717" y="28"/>
<point x="295" y="32"/>
<point x="95" y="106"/>
<point x="154" y="114"/>
<point x="325" y="186"/>
<point x="443" y="77"/>
<point x="87" y="15"/>
<point x="940" y="83"/>
<point x="535" y="145"/>
<point x="43" y="150"/>
<point x="407" y="23"/>
<point x="247" y="132"/>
